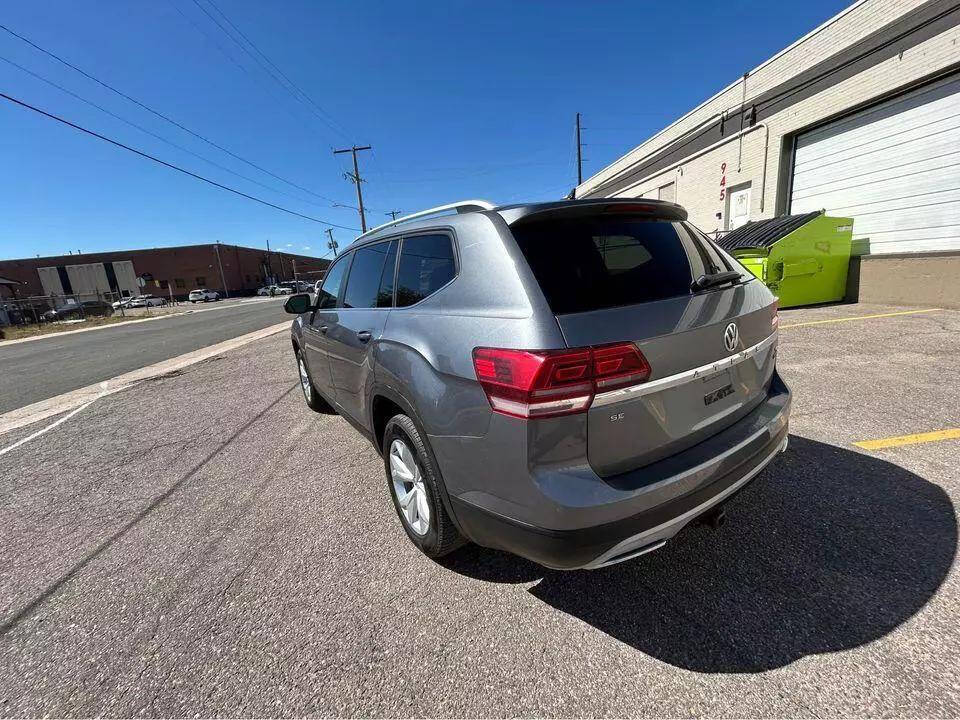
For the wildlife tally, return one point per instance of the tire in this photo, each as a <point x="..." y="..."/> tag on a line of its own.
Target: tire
<point x="438" y="536"/>
<point x="310" y="395"/>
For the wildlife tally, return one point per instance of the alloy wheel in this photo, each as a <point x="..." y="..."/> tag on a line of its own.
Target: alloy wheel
<point x="409" y="487"/>
<point x="304" y="379"/>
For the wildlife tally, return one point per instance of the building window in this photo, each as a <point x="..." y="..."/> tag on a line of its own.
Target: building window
<point x="201" y="281"/>
<point x="164" y="284"/>
<point x="180" y="283"/>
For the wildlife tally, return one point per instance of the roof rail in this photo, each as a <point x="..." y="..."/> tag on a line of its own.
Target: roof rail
<point x="464" y="206"/>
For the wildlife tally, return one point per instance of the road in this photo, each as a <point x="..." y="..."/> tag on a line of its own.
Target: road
<point x="42" y="368"/>
<point x="244" y="559"/>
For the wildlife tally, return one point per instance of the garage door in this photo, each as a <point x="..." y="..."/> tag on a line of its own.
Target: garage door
<point x="894" y="168"/>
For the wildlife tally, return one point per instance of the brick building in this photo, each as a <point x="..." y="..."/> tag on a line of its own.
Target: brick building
<point x="860" y="117"/>
<point x="165" y="271"/>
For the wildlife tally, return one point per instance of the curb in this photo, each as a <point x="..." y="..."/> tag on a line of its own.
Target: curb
<point x="44" y="409"/>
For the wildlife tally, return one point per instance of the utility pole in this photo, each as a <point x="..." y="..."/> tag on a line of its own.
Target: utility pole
<point x="393" y="213"/>
<point x="223" y="280"/>
<point x="296" y="284"/>
<point x="356" y="179"/>
<point x="332" y="244"/>
<point x="269" y="279"/>
<point x="579" y="157"/>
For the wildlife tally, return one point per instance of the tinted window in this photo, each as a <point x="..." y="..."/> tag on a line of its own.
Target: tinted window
<point x="364" y="280"/>
<point x="721" y="257"/>
<point x="587" y="264"/>
<point x="330" y="290"/>
<point x="426" y="265"/>
<point x="385" y="294"/>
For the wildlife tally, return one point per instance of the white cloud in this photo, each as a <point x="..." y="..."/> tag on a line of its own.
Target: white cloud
<point x="289" y="245"/>
<point x="306" y="247"/>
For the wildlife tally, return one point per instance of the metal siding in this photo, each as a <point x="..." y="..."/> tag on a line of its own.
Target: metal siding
<point x="894" y="168"/>
<point x="50" y="281"/>
<point x="126" y="277"/>
<point x="88" y="279"/>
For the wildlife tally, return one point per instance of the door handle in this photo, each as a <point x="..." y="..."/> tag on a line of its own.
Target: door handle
<point x="322" y="329"/>
<point x="364" y="336"/>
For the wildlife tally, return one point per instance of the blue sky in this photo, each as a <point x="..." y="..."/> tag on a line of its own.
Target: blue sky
<point x="459" y="100"/>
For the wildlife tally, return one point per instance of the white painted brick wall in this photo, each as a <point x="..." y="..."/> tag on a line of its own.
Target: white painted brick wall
<point x="698" y="181"/>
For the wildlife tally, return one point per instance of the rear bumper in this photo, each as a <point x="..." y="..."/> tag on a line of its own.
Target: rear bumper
<point x="711" y="473"/>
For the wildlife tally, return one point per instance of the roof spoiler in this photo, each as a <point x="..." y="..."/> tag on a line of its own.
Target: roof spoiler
<point x="660" y="209"/>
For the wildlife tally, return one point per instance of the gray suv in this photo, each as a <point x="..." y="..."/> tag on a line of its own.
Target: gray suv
<point x="573" y="382"/>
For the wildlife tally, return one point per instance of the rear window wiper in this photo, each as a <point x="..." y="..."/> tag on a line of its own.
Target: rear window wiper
<point x="707" y="281"/>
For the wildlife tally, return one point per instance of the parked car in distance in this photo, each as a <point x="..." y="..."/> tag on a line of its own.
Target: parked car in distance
<point x="297" y="286"/>
<point x="73" y="311"/>
<point x="147" y="301"/>
<point x="203" y="295"/>
<point x="123" y="302"/>
<point x="573" y="382"/>
<point x="275" y="290"/>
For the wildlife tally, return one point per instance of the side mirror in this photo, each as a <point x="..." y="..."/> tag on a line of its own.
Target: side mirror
<point x="297" y="304"/>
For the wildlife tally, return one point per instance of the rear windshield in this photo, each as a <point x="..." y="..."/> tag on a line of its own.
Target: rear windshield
<point x="592" y="263"/>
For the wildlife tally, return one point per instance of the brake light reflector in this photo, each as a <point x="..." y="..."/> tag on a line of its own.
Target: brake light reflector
<point x="547" y="383"/>
<point x="617" y="366"/>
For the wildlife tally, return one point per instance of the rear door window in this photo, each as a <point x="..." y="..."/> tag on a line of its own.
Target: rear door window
<point x="385" y="293"/>
<point x="426" y="265"/>
<point x="593" y="263"/>
<point x="364" y="281"/>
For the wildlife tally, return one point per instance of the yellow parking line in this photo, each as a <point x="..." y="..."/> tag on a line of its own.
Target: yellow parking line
<point x="860" y="317"/>
<point x="950" y="434"/>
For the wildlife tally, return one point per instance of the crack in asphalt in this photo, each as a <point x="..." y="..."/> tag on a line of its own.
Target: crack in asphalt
<point x="7" y="625"/>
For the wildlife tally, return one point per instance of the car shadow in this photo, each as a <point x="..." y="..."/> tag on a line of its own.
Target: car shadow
<point x="827" y="550"/>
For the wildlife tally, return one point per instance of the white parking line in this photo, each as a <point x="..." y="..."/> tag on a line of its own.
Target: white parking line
<point x="51" y="426"/>
<point x="29" y="414"/>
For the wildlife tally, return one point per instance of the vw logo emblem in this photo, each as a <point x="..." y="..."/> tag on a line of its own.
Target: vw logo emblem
<point x="731" y="337"/>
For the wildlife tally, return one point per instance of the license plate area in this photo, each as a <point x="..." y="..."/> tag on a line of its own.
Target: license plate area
<point x="719" y="385"/>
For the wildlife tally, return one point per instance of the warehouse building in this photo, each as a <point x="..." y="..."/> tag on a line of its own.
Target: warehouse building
<point x="860" y="118"/>
<point x="174" y="271"/>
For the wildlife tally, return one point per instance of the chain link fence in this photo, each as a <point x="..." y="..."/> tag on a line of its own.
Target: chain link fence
<point x="40" y="309"/>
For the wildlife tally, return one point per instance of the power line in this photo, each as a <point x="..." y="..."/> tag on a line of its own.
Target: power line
<point x="261" y="65"/>
<point x="151" y="133"/>
<point x="160" y="115"/>
<point x="333" y="124"/>
<point x="170" y="165"/>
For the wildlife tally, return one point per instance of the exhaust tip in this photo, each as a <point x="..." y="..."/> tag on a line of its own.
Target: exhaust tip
<point x="716" y="519"/>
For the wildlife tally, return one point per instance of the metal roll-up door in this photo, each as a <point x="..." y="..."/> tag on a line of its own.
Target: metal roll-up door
<point x="894" y="168"/>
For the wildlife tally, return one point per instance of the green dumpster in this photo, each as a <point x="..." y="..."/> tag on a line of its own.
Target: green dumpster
<point x="803" y="259"/>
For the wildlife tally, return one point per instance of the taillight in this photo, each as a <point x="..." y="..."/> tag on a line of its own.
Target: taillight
<point x="618" y="366"/>
<point x="546" y="383"/>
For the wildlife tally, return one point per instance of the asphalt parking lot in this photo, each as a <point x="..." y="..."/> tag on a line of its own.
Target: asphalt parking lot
<point x="237" y="554"/>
